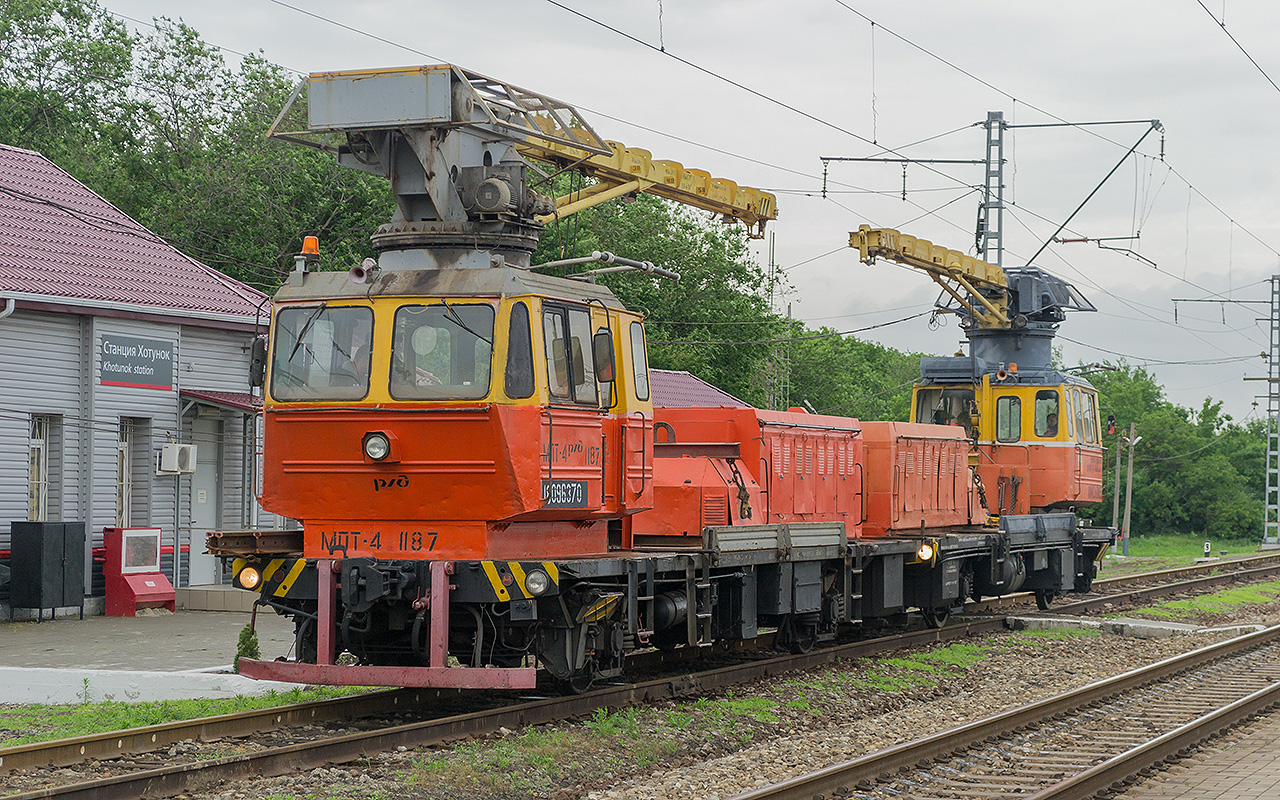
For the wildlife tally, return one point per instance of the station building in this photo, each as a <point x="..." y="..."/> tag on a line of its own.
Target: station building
<point x="120" y="353"/>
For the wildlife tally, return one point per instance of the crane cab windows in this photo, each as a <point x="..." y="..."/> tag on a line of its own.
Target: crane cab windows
<point x="519" y="374"/>
<point x="322" y="353"/>
<point x="1089" y="409"/>
<point x="570" y="369"/>
<point x="1008" y="418"/>
<point x="639" y="362"/>
<point x="1047" y="416"/>
<point x="441" y="352"/>
<point x="1070" y="416"/>
<point x="946" y="407"/>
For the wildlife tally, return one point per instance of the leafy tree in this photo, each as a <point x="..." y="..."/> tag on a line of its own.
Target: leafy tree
<point x="1194" y="471"/>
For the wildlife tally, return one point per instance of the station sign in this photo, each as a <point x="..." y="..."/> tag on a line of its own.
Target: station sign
<point x="136" y="363"/>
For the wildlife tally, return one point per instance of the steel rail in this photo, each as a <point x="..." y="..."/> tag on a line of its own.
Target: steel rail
<point x="1178" y="743"/>
<point x="114" y="744"/>
<point x="166" y="781"/>
<point x="839" y="779"/>
<point x="1233" y="567"/>
<point x="1152" y="592"/>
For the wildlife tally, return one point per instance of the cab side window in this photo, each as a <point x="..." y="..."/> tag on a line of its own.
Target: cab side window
<point x="570" y="369"/>
<point x="639" y="361"/>
<point x="1090" y="403"/>
<point x="1070" y="415"/>
<point x="1047" y="413"/>
<point x="519" y="374"/>
<point x="1008" y="419"/>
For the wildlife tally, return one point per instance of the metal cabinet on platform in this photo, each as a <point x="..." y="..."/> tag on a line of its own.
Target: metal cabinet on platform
<point x="47" y="565"/>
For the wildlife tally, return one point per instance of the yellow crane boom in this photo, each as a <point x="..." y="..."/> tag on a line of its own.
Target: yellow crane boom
<point x="981" y="288"/>
<point x="630" y="169"/>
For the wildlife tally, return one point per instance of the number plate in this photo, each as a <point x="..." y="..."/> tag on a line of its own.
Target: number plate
<point x="564" y="494"/>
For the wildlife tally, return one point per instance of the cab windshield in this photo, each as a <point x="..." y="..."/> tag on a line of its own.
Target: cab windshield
<point x="945" y="407"/>
<point x="442" y="352"/>
<point x="321" y="353"/>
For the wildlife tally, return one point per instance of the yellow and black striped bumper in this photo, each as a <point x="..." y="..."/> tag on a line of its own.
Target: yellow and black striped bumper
<point x="287" y="577"/>
<point x="504" y="581"/>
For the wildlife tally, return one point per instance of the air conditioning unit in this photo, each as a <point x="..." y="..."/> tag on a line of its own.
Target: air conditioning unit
<point x="177" y="459"/>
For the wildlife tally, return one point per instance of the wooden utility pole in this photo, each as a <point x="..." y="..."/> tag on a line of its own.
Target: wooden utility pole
<point x="1115" y="496"/>
<point x="1128" y="489"/>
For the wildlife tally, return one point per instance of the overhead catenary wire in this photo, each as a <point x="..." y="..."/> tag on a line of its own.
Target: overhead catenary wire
<point x="783" y="340"/>
<point x="1144" y="360"/>
<point x="924" y="50"/>
<point x="1222" y="23"/>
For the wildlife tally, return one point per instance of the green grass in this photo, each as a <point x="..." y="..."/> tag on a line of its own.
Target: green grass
<point x="1184" y="546"/>
<point x="40" y="723"/>
<point x="1224" y="602"/>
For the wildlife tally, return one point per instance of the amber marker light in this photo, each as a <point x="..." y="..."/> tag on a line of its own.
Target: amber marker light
<point x="249" y="578"/>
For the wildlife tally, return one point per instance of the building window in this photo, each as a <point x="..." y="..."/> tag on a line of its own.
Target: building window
<point x="124" y="473"/>
<point x="38" y="483"/>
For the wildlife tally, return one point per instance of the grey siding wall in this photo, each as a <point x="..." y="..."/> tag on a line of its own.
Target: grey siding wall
<point x="52" y="367"/>
<point x="155" y="415"/>
<point x="41" y="374"/>
<point x="218" y="360"/>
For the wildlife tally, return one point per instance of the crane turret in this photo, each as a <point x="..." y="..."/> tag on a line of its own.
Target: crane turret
<point x="460" y="150"/>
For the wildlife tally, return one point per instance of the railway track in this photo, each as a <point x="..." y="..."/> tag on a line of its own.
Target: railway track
<point x="1072" y="746"/>
<point x="134" y="777"/>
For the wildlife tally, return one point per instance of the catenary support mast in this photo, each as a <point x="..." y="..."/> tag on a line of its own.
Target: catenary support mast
<point x="1271" y="523"/>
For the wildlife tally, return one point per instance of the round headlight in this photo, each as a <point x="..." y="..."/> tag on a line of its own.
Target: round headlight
<point x="925" y="553"/>
<point x="249" y="578"/>
<point x="536" y="582"/>
<point x="377" y="446"/>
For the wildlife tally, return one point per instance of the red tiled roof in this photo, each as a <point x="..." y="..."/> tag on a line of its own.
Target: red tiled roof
<point x="679" y="389"/>
<point x="59" y="239"/>
<point x="238" y="400"/>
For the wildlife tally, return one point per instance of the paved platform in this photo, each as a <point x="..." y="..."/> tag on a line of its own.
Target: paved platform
<point x="159" y="655"/>
<point x="1243" y="768"/>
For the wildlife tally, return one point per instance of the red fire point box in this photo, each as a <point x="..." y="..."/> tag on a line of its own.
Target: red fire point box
<point x="132" y="571"/>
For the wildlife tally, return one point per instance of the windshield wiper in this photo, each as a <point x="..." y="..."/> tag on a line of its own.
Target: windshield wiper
<point x="457" y="320"/>
<point x="306" y="326"/>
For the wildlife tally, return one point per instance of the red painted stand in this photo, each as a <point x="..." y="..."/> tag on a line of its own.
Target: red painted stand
<point x="436" y="674"/>
<point x="132" y="571"/>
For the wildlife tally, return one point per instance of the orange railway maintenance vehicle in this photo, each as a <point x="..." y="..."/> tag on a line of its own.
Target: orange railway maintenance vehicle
<point x="486" y="486"/>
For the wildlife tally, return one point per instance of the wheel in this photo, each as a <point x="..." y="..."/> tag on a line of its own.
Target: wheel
<point x="1044" y="598"/>
<point x="935" y="617"/>
<point x="804" y="637"/>
<point x="578" y="682"/>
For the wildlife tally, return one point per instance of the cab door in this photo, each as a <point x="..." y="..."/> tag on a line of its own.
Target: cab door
<point x="574" y="463"/>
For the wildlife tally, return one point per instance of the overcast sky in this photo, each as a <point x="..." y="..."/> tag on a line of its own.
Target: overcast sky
<point x="1208" y="212"/>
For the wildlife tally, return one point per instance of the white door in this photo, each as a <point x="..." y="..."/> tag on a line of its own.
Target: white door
<point x="206" y="511"/>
